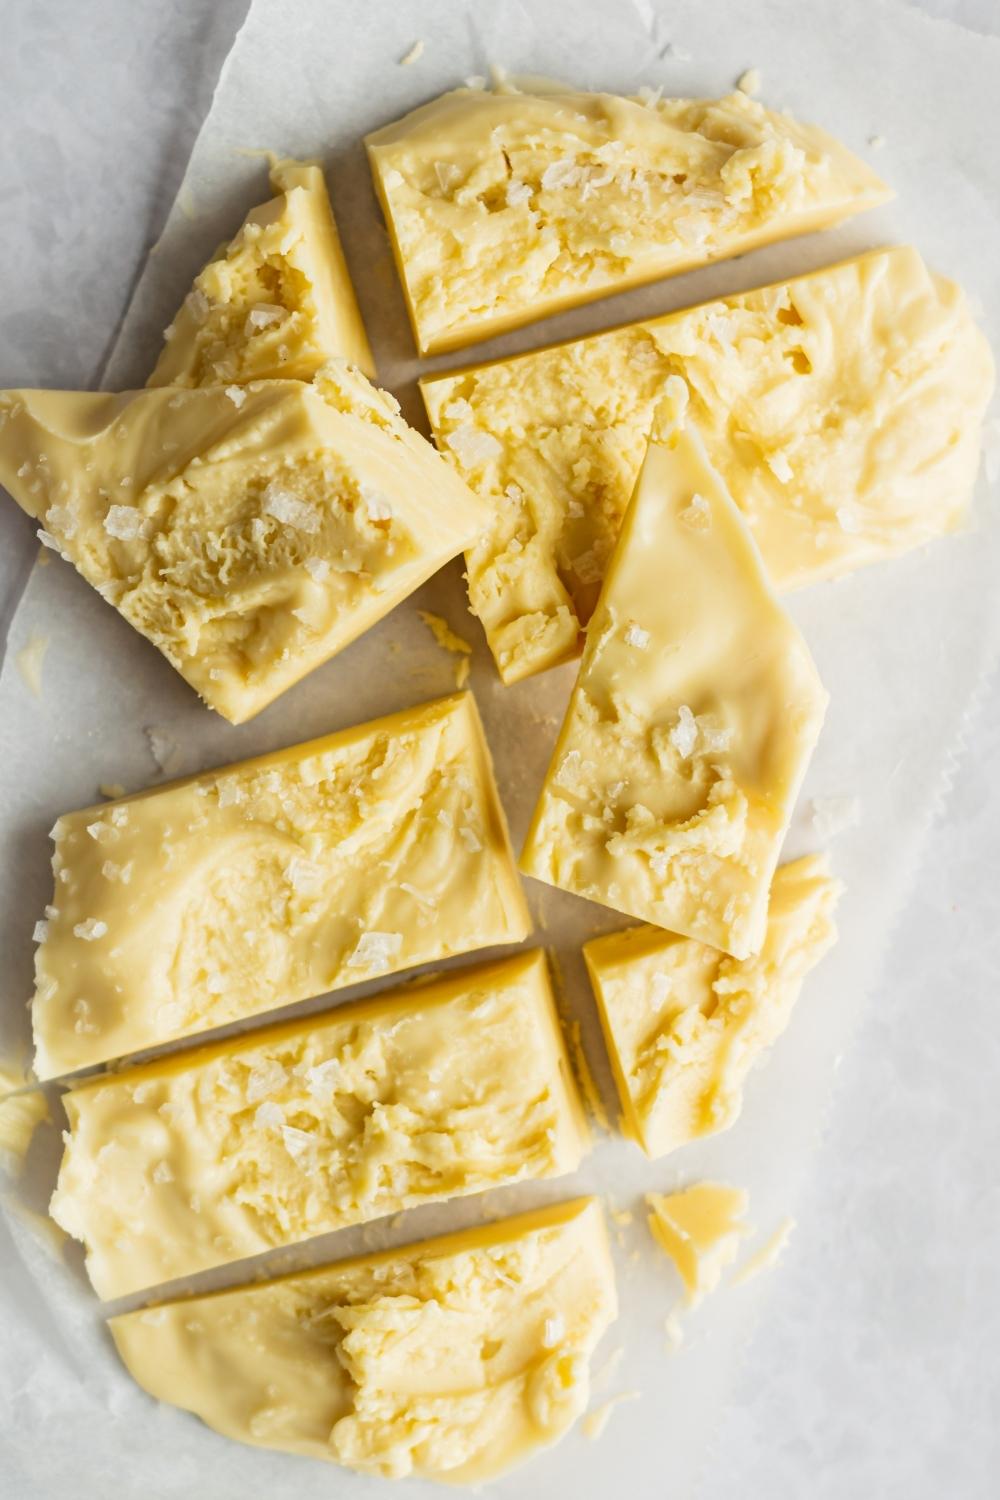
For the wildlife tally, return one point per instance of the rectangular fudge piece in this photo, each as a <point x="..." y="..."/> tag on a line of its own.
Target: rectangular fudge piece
<point x="504" y="207"/>
<point x="242" y="889"/>
<point x="435" y="1090"/>
<point x="276" y="302"/>
<point x="249" y="534"/>
<point x="692" y="721"/>
<point x="684" y="1024"/>
<point x="843" y="409"/>
<point x="453" y="1359"/>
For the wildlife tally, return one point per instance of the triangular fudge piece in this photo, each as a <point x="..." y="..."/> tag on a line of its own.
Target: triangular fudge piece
<point x="276" y="303"/>
<point x="700" y="1228"/>
<point x="693" y="718"/>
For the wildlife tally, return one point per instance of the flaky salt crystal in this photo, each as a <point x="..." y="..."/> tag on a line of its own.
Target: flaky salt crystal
<point x="90" y="930"/>
<point x="376" y="950"/>
<point x="285" y="506"/>
<point x="473" y="447"/>
<point x="123" y="522"/>
<point x="684" y="735"/>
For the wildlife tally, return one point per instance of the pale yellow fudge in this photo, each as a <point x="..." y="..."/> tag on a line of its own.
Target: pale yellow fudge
<point x="276" y="302"/>
<point x="22" y="1110"/>
<point x="691" y="724"/>
<point x="250" y="534"/>
<point x="451" y="1360"/>
<point x="245" y="888"/>
<point x="433" y="1091"/>
<point x="504" y="207"/>
<point x="700" y="1228"/>
<point x="684" y="1023"/>
<point x="843" y="409"/>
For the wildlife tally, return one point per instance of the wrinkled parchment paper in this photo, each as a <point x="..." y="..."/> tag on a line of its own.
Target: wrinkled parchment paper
<point x="902" y="648"/>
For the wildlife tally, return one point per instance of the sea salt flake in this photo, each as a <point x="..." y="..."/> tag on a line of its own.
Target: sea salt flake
<point x="90" y="930"/>
<point x="636" y="636"/>
<point x="470" y="839"/>
<point x="41" y="932"/>
<point x="229" y="792"/>
<point x="124" y="523"/>
<point x="264" y="315"/>
<point x="697" y="514"/>
<point x="684" y="735"/>
<point x="560" y="174"/>
<point x="587" y="567"/>
<point x="848" y="519"/>
<point x="62" y="519"/>
<point x="518" y="193"/>
<point x="236" y="394"/>
<point x="162" y="1173"/>
<point x="392" y="179"/>
<point x="199" y="304"/>
<point x="779" y="467"/>
<point x="458" y="410"/>
<point x="318" y="568"/>
<point x="265" y="1078"/>
<point x="269" y="1116"/>
<point x="298" y="1143"/>
<point x="473" y="447"/>
<point x="285" y="506"/>
<point x="321" y="1080"/>
<point x="303" y="875"/>
<point x="426" y="902"/>
<point x="376" y="950"/>
<point x="379" y="508"/>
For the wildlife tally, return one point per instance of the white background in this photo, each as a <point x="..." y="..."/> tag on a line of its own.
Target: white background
<point x="874" y="1370"/>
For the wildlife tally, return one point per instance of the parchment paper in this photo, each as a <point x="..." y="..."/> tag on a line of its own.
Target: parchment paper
<point x="902" y="648"/>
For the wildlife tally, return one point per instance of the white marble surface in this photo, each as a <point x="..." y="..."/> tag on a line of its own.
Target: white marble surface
<point x="875" y="1369"/>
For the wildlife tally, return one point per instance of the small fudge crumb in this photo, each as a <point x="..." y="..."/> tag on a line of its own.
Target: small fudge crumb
<point x="29" y="662"/>
<point x="447" y="639"/>
<point x="415" y="53"/>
